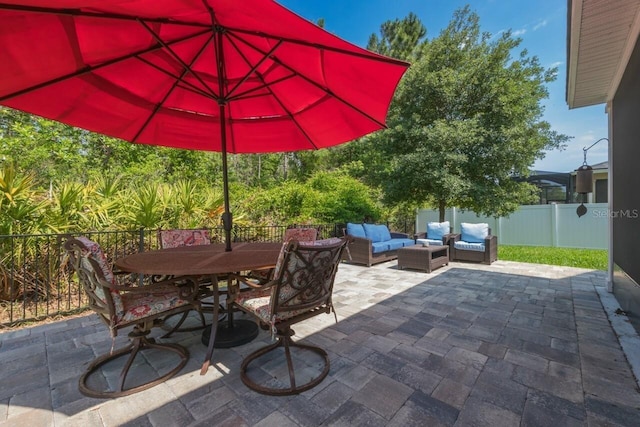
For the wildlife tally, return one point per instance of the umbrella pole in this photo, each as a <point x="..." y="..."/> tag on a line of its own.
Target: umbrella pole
<point x="227" y="219"/>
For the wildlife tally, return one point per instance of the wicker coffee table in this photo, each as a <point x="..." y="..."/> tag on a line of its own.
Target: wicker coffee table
<point x="425" y="258"/>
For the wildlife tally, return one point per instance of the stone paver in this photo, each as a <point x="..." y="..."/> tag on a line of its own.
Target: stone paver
<point x="509" y="344"/>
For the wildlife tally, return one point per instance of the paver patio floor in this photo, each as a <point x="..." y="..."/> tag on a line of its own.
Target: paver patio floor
<point x="509" y="344"/>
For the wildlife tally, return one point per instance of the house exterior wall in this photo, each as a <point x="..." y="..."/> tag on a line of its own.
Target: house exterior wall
<point x="625" y="137"/>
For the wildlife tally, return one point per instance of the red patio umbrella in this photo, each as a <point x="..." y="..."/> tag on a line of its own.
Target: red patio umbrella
<point x="232" y="76"/>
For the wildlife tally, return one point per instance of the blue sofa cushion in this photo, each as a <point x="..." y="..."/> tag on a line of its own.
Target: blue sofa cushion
<point x="378" y="247"/>
<point x="468" y="246"/>
<point x="395" y="244"/>
<point x="355" y="230"/>
<point x="377" y="232"/>
<point x="437" y="230"/>
<point x="473" y="233"/>
<point x="407" y="242"/>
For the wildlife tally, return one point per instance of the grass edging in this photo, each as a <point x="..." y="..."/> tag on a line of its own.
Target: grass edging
<point x="594" y="259"/>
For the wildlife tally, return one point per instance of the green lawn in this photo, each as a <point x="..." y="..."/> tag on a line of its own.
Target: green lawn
<point x="584" y="258"/>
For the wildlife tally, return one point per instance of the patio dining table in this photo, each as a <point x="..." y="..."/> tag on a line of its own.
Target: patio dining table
<point x="208" y="261"/>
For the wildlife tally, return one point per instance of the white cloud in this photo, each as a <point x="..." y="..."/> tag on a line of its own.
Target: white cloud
<point x="518" y="33"/>
<point x="540" y="24"/>
<point x="556" y="64"/>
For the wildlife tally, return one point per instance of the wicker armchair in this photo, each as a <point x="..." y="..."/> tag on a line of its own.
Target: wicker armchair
<point x="438" y="233"/>
<point x="119" y="305"/>
<point x="474" y="243"/>
<point x="301" y="288"/>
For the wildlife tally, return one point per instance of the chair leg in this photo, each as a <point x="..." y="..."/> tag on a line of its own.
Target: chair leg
<point x="284" y="340"/>
<point x="176" y="328"/>
<point x="139" y="342"/>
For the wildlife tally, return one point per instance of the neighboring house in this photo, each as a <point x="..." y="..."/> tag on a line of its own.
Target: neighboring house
<point x="603" y="67"/>
<point x="553" y="186"/>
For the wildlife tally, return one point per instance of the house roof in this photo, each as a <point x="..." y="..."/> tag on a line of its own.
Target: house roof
<point x="601" y="35"/>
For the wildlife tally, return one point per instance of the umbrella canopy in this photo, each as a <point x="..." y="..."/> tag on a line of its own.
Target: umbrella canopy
<point x="218" y="75"/>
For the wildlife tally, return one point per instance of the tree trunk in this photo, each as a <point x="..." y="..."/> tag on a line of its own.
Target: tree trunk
<point x="441" y="208"/>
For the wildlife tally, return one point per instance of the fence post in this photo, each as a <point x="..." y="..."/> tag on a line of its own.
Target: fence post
<point x="554" y="224"/>
<point x="141" y="239"/>
<point x="141" y="249"/>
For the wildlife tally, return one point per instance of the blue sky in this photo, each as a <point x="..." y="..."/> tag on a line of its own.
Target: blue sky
<point x="540" y="23"/>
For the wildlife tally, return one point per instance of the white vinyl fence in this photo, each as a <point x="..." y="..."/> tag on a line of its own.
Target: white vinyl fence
<point x="536" y="225"/>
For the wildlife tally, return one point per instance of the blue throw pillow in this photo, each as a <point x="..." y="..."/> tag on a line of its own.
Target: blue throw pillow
<point x="355" y="230"/>
<point x="473" y="233"/>
<point x="437" y="230"/>
<point x="373" y="233"/>
<point x="384" y="233"/>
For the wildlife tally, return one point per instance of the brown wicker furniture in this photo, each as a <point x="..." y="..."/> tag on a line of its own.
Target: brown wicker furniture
<point x="374" y="248"/>
<point x="483" y="250"/>
<point x="122" y="304"/>
<point x="301" y="288"/>
<point x="426" y="258"/>
<point x="438" y="233"/>
<point x="213" y="261"/>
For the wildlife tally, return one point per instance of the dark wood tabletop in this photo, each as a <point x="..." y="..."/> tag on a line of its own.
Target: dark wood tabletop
<point x="202" y="259"/>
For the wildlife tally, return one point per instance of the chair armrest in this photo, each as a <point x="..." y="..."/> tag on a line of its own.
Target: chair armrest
<point x="450" y="237"/>
<point x="419" y="236"/>
<point x="490" y="241"/>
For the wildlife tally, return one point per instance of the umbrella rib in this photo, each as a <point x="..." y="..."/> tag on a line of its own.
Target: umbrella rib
<point x="91" y="68"/>
<point x="176" y="57"/>
<point x="310" y="81"/>
<point x="366" y="54"/>
<point x="183" y="84"/>
<point x="247" y="93"/>
<point x="98" y="15"/>
<point x="253" y="68"/>
<point x="177" y="81"/>
<point x="115" y="16"/>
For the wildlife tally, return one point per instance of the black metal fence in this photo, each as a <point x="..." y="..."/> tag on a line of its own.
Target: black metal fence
<point x="36" y="282"/>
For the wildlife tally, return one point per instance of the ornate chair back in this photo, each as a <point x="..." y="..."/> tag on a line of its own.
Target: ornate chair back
<point x="177" y="238"/>
<point x="96" y="278"/>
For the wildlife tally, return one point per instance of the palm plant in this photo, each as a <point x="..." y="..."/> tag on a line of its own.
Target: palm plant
<point x="143" y="206"/>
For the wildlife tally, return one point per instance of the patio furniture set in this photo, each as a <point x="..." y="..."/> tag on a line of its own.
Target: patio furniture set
<point x="179" y="278"/>
<point x="374" y="243"/>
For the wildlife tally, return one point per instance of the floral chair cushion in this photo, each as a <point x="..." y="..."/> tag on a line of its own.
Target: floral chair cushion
<point x="95" y="252"/>
<point x="294" y="286"/>
<point x="178" y="238"/>
<point x="301" y="234"/>
<point x="258" y="301"/>
<point x="137" y="306"/>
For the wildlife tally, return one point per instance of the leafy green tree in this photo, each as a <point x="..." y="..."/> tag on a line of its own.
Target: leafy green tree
<point x="400" y="38"/>
<point x="465" y="119"/>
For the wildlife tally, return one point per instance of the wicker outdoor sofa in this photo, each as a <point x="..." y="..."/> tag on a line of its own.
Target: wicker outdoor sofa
<point x="374" y="243"/>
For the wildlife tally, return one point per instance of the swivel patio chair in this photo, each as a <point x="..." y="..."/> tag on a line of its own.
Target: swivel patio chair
<point x="119" y="305"/>
<point x="175" y="238"/>
<point x="301" y="288"/>
<point x="301" y="234"/>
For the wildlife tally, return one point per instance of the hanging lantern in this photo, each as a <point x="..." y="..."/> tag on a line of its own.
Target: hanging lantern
<point x="584" y="179"/>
